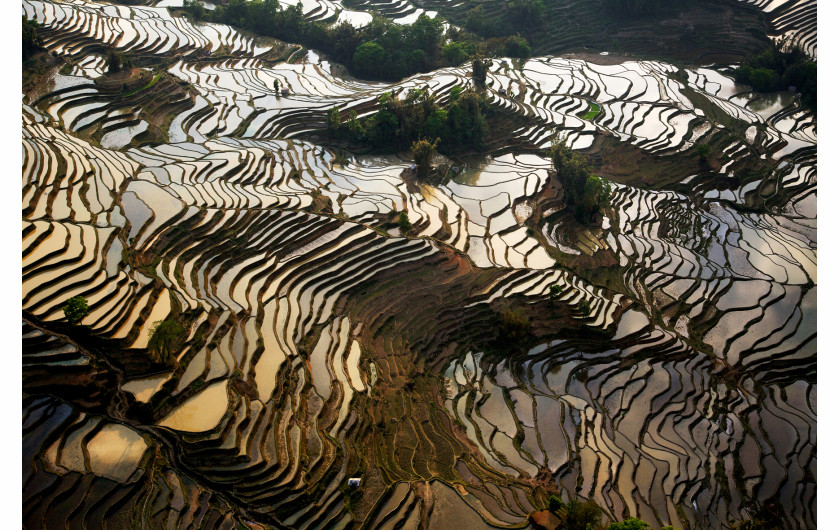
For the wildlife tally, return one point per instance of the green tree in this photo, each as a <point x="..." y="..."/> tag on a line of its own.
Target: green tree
<point x="585" y="193"/>
<point x="369" y="58"/>
<point x="75" y="309"/>
<point x="424" y="151"/>
<point x="629" y="524"/>
<point x="333" y="119"/>
<point x="456" y="53"/>
<point x="276" y="86"/>
<point x="114" y="61"/>
<point x="578" y="515"/>
<point x="480" y="65"/>
<point x="554" y="292"/>
<point x="31" y="41"/>
<point x="517" y="46"/>
<point x="526" y="14"/>
<point x="466" y="121"/>
<point x="404" y="223"/>
<point x="165" y="337"/>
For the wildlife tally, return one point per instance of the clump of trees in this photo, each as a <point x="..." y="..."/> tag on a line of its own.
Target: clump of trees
<point x="382" y="50"/>
<point x="779" y="67"/>
<point x="75" y="309"/>
<point x="586" y="194"/>
<point x="31" y="42"/>
<point x="399" y="123"/>
<point x="165" y="337"/>
<point x="114" y="61"/>
<point x="576" y="515"/>
<point x="424" y="151"/>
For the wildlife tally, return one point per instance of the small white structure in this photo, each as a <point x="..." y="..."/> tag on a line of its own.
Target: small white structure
<point x="355" y="482"/>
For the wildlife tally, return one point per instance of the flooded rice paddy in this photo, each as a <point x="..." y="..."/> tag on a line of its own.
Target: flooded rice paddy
<point x="672" y="378"/>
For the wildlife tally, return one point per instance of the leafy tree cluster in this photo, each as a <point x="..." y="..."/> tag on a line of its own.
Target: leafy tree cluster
<point x="76" y="309"/>
<point x="381" y="50"/>
<point x="577" y="515"/>
<point x="779" y="67"/>
<point x="517" y="16"/>
<point x="31" y="42"/>
<point x="400" y="122"/>
<point x="586" y="194"/>
<point x="165" y="337"/>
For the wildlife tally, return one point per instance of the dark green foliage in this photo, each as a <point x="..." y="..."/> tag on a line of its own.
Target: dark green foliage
<point x="525" y="14"/>
<point x="629" y="524"/>
<point x="333" y="119"/>
<point x="114" y="61"/>
<point x="165" y="337"/>
<point x="480" y="65"/>
<point x="554" y="291"/>
<point x="31" y="42"/>
<point x="369" y="59"/>
<point x="457" y="53"/>
<point x="404" y="223"/>
<point x="75" y="309"/>
<point x="514" y="328"/>
<point x="276" y="86"/>
<point x="517" y="46"/>
<point x="778" y="68"/>
<point x="399" y="123"/>
<point x="424" y="151"/>
<point x="555" y="503"/>
<point x="586" y="194"/>
<point x="578" y="515"/>
<point x="703" y="150"/>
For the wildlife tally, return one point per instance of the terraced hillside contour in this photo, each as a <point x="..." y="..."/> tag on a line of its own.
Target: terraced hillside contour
<point x="667" y="370"/>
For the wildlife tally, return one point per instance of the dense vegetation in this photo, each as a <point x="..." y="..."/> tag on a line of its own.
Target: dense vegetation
<point x="400" y="122"/>
<point x="381" y="50"/>
<point x="778" y="68"/>
<point x="165" y="337"/>
<point x="75" y="309"/>
<point x="30" y="42"/>
<point x="586" y="194"/>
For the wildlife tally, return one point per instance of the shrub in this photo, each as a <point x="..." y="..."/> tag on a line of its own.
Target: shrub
<point x="165" y="336"/>
<point x="424" y="151"/>
<point x="75" y="309"/>
<point x="404" y="223"/>
<point x="629" y="524"/>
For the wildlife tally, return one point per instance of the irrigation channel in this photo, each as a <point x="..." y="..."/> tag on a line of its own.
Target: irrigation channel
<point x="672" y="377"/>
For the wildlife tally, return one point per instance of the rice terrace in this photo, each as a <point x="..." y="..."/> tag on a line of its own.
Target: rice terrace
<point x="438" y="264"/>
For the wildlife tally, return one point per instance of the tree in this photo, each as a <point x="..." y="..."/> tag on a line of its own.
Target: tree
<point x="333" y="119"/>
<point x="455" y="53"/>
<point x="165" y="336"/>
<point x="585" y="192"/>
<point x="480" y="65"/>
<point x="629" y="524"/>
<point x="526" y="13"/>
<point x="517" y="46"/>
<point x="580" y="515"/>
<point x="369" y="58"/>
<point x="75" y="309"/>
<point x="466" y="122"/>
<point x="424" y="151"/>
<point x="276" y="86"/>
<point x="31" y="41"/>
<point x="114" y="61"/>
<point x="404" y="223"/>
<point x="554" y="292"/>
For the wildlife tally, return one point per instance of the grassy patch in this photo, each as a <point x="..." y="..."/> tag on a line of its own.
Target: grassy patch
<point x="593" y="111"/>
<point x="150" y="85"/>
